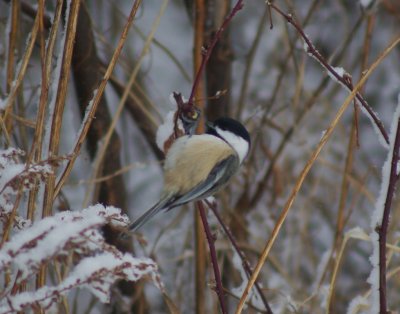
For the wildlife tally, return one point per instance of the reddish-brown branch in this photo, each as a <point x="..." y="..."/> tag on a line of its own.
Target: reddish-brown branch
<point x="208" y="50"/>
<point x="383" y="228"/>
<point x="245" y="262"/>
<point x="342" y="79"/>
<point x="210" y="239"/>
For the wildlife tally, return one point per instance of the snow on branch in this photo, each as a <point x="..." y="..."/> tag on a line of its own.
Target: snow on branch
<point x="380" y="218"/>
<point x="56" y="236"/>
<point x="52" y="238"/>
<point x="16" y="177"/>
<point x="95" y="273"/>
<point x="338" y="74"/>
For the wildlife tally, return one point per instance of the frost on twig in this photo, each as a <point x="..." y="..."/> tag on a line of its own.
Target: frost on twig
<point x="380" y="218"/>
<point x="98" y="264"/>
<point x="337" y="74"/>
<point x="95" y="273"/>
<point x="16" y="177"/>
<point x="67" y="234"/>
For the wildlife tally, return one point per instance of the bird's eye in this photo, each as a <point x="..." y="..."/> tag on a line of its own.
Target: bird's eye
<point x="195" y="115"/>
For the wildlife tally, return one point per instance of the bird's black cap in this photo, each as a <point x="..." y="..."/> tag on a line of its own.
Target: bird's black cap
<point x="231" y="125"/>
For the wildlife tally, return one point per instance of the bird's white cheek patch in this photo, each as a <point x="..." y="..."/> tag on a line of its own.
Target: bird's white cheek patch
<point x="239" y="144"/>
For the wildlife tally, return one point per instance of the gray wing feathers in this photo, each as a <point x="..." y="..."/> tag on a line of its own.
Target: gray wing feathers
<point x="217" y="178"/>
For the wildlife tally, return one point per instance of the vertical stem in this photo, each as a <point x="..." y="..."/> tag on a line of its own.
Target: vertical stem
<point x="17" y="81"/>
<point x="89" y="116"/>
<point x="207" y="53"/>
<point x="383" y="228"/>
<point x="60" y="101"/>
<point x="214" y="260"/>
<point x="245" y="263"/>
<point x="304" y="173"/>
<point x="58" y="115"/>
<point x="12" y="48"/>
<point x="46" y="57"/>
<point x="200" y="260"/>
<point x="200" y="265"/>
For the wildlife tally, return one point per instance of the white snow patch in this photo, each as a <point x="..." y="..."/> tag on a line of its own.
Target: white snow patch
<point x="254" y="297"/>
<point x="366" y="4"/>
<point x="49" y="237"/>
<point x="357" y="304"/>
<point x="378" y="133"/>
<point x="96" y="273"/>
<point x="165" y="130"/>
<point x="321" y="268"/>
<point x="377" y="215"/>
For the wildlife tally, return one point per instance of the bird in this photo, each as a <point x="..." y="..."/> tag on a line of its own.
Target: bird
<point x="198" y="166"/>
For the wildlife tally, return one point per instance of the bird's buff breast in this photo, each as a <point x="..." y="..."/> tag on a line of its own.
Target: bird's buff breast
<point x="190" y="160"/>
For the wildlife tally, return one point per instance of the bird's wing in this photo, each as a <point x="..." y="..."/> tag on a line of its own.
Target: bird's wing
<point x="217" y="178"/>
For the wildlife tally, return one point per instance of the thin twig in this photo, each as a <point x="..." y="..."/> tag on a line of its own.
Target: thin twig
<point x="342" y="79"/>
<point x="22" y="69"/>
<point x="12" y="47"/>
<point x="305" y="172"/>
<point x="61" y="96"/>
<point x="208" y="50"/>
<point x="250" y="61"/>
<point x="96" y="99"/>
<point x="383" y="227"/>
<point x="107" y="137"/>
<point x="245" y="262"/>
<point x="57" y="116"/>
<point x="276" y="88"/>
<point x="200" y="260"/>
<point x="214" y="260"/>
<point x="47" y="58"/>
<point x="353" y="142"/>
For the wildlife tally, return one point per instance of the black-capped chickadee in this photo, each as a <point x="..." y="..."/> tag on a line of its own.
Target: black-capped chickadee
<point x="197" y="166"/>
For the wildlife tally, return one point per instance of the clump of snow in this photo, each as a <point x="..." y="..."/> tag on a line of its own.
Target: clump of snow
<point x="357" y="304"/>
<point x="165" y="130"/>
<point x="378" y="133"/>
<point x="357" y="233"/>
<point x="340" y="72"/>
<point x="173" y="101"/>
<point x="56" y="235"/>
<point x="366" y="4"/>
<point x="100" y="264"/>
<point x="306" y="48"/>
<point x="254" y="297"/>
<point x="96" y="273"/>
<point x="3" y="103"/>
<point x="17" y="177"/>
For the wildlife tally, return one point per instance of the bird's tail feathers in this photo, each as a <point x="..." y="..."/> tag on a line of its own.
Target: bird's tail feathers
<point x="150" y="213"/>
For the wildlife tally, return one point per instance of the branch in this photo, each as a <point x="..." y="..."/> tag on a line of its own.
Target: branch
<point x="89" y="115"/>
<point x="383" y="228"/>
<point x="333" y="72"/>
<point x="305" y="172"/>
<point x="208" y="50"/>
<point x="214" y="260"/>
<point x="380" y="218"/>
<point x="245" y="262"/>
